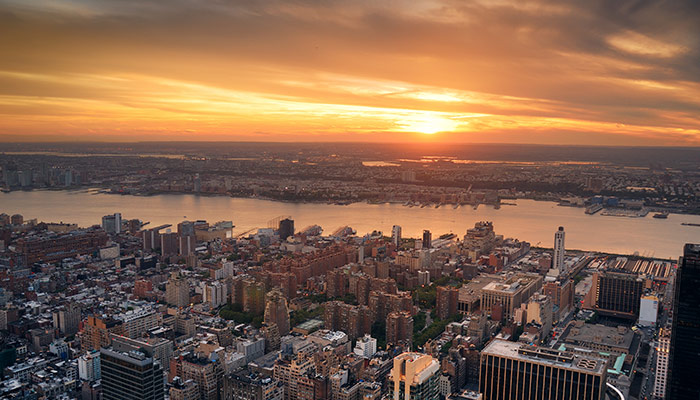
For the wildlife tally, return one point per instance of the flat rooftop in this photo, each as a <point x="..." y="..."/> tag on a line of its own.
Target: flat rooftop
<point x="511" y="285"/>
<point x="620" y="337"/>
<point x="545" y="356"/>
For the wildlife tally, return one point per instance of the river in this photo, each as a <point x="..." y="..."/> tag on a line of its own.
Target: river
<point x="533" y="221"/>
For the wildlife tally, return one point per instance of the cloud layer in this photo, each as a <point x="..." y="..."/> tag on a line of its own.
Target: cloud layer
<point x="593" y="72"/>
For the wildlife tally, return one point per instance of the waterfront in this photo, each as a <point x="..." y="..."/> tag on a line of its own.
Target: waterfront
<point x="533" y="221"/>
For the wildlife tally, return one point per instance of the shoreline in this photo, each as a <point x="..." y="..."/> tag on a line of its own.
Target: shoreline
<point x="108" y="191"/>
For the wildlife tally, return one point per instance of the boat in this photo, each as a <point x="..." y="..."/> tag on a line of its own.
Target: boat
<point x="593" y="208"/>
<point x="689" y="224"/>
<point x="662" y="215"/>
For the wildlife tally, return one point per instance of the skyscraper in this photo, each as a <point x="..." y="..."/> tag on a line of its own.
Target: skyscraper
<point x="130" y="376"/>
<point x="683" y="382"/>
<point x="112" y="223"/>
<point x="512" y="370"/>
<point x="558" y="259"/>
<point x="396" y="235"/>
<point x="427" y="239"/>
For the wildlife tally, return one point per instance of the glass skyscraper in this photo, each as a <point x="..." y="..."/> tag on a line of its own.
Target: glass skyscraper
<point x="684" y="379"/>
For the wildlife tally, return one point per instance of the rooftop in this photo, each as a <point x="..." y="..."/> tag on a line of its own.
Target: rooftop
<point x="582" y="333"/>
<point x="543" y="355"/>
<point x="512" y="284"/>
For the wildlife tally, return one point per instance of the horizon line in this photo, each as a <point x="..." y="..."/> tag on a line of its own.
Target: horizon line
<point x="204" y="141"/>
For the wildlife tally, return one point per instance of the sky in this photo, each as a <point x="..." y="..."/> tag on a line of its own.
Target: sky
<point x="594" y="72"/>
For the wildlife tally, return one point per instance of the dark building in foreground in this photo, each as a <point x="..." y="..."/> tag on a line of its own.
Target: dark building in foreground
<point x="684" y="381"/>
<point x="511" y="370"/>
<point x="130" y="376"/>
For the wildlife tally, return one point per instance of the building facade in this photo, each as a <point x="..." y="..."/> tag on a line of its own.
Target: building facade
<point x="663" y="348"/>
<point x="415" y="376"/>
<point x="558" y="259"/>
<point x="515" y="371"/>
<point x="130" y="376"/>
<point x="617" y="294"/>
<point x="683" y="382"/>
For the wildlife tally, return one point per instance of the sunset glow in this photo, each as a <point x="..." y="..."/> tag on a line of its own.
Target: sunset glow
<point x="480" y="71"/>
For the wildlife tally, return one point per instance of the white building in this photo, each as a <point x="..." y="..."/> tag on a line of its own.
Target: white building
<point x="648" y="310"/>
<point x="366" y="346"/>
<point x="558" y="259"/>
<point x="662" y="349"/>
<point x="89" y="366"/>
<point x="215" y="293"/>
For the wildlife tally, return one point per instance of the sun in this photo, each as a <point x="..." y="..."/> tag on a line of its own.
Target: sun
<point x="428" y="124"/>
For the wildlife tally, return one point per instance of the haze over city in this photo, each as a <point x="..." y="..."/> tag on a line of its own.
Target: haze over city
<point x="549" y="72"/>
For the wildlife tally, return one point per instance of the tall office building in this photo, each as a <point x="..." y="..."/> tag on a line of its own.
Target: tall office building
<point x="112" y="223"/>
<point x="414" y="376"/>
<point x="683" y="382"/>
<point x="427" y="239"/>
<point x="396" y="235"/>
<point x="662" y="352"/>
<point x="511" y="370"/>
<point x="130" y="376"/>
<point x="558" y="259"/>
<point x="617" y="294"/>
<point x="286" y="228"/>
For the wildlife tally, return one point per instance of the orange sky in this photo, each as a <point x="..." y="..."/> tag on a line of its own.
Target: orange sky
<point x="568" y="72"/>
